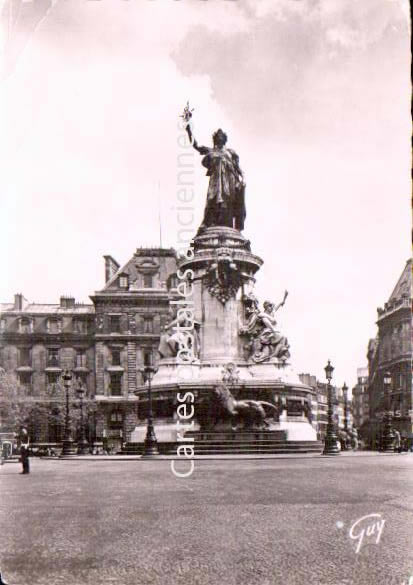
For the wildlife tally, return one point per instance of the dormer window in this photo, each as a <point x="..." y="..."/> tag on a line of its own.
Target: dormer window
<point x="54" y="325"/>
<point x="147" y="280"/>
<point x="79" y="326"/>
<point x="53" y="357"/>
<point x="124" y="281"/>
<point x="25" y="325"/>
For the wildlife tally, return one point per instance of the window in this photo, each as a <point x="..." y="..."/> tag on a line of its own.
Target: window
<point x="173" y="281"/>
<point x="25" y="379"/>
<point x="53" y="377"/>
<point x="25" y="356"/>
<point x="124" y="281"/>
<point x="115" y="323"/>
<point x="53" y="357"/>
<point x="115" y="357"/>
<point x="81" y="377"/>
<point x="147" y="280"/>
<point x="148" y="324"/>
<point x="81" y="358"/>
<point x="79" y="326"/>
<point x="54" y="326"/>
<point x="25" y="325"/>
<point x="116" y="384"/>
<point x="147" y="357"/>
<point x="116" y="419"/>
<point x="2" y="325"/>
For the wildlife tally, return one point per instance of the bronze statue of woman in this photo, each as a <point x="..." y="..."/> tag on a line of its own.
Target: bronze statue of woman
<point x="225" y="205"/>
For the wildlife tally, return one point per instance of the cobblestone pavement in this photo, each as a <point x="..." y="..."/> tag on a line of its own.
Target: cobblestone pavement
<point x="239" y="522"/>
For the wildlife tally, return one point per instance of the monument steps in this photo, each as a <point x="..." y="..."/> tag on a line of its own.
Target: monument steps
<point x="235" y="447"/>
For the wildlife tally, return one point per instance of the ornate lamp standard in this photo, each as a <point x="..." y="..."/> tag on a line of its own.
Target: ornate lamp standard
<point x="345" y="396"/>
<point x="69" y="447"/>
<point x="387" y="445"/>
<point x="83" y="445"/>
<point x="150" y="446"/>
<point x="330" y="440"/>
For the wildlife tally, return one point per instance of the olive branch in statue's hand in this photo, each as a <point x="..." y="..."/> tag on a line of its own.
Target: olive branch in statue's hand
<point x="187" y="113"/>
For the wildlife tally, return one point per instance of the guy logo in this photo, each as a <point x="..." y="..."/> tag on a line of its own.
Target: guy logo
<point x="370" y="525"/>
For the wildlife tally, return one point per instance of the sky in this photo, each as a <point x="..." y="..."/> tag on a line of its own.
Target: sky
<point x="315" y="98"/>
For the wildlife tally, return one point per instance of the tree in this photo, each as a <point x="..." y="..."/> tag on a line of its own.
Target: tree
<point x="16" y="406"/>
<point x="56" y="398"/>
<point x="19" y="408"/>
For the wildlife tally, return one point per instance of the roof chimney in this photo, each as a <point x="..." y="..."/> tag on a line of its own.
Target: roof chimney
<point x="111" y="267"/>
<point x="19" y="302"/>
<point x="67" y="302"/>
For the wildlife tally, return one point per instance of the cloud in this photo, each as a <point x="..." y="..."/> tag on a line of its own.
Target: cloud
<point x="309" y="70"/>
<point x="315" y="99"/>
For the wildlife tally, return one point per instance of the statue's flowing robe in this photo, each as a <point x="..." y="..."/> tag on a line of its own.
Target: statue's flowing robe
<point x="226" y="192"/>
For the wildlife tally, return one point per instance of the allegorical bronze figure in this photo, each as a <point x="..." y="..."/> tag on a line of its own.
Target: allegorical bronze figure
<point x="225" y="204"/>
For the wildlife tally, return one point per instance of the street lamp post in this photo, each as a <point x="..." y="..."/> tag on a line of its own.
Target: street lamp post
<point x="83" y="445"/>
<point x="345" y="396"/>
<point x="387" y="445"/>
<point x="69" y="447"/>
<point x="330" y="440"/>
<point x="150" y="446"/>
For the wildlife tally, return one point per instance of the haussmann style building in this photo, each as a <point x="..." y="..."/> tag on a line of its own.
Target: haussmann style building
<point x="390" y="358"/>
<point x="104" y="343"/>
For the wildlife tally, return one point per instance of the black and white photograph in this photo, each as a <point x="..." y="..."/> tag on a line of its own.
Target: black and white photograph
<point x="206" y="292"/>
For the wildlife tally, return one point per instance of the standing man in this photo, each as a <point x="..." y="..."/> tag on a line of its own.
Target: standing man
<point x="397" y="441"/>
<point x="24" y="450"/>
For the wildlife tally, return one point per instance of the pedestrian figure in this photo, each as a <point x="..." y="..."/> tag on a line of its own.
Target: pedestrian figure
<point x="397" y="441"/>
<point x="24" y="450"/>
<point x="354" y="440"/>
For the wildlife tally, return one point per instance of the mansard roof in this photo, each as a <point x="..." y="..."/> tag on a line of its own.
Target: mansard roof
<point x="151" y="261"/>
<point x="403" y="288"/>
<point x="401" y="297"/>
<point x="45" y="309"/>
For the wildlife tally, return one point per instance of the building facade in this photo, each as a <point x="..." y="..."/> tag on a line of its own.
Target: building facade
<point x="391" y="353"/>
<point x="342" y="406"/>
<point x="104" y="343"/>
<point x="360" y="401"/>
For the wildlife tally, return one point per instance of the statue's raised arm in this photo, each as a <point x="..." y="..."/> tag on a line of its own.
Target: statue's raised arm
<point x="282" y="302"/>
<point x="187" y="115"/>
<point x="225" y="204"/>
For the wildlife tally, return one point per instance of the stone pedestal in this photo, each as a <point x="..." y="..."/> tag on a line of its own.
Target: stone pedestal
<point x="223" y="269"/>
<point x="222" y="273"/>
<point x="69" y="447"/>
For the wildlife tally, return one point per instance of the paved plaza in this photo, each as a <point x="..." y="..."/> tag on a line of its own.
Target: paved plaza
<point x="233" y="522"/>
